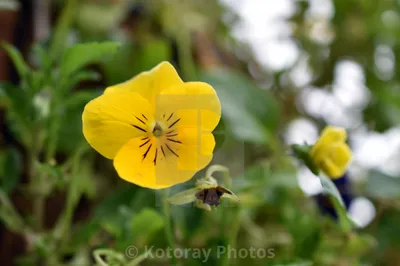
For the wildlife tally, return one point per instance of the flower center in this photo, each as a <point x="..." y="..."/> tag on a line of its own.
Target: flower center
<point x="166" y="145"/>
<point x="157" y="130"/>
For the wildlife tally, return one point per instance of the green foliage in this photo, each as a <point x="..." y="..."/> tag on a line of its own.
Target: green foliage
<point x="301" y="152"/>
<point x="77" y="210"/>
<point x="80" y="55"/>
<point x="11" y="169"/>
<point x="251" y="114"/>
<point x="337" y="202"/>
<point x="145" y="225"/>
<point x="17" y="59"/>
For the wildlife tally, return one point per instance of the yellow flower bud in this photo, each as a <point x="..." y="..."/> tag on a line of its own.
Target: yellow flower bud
<point x="331" y="153"/>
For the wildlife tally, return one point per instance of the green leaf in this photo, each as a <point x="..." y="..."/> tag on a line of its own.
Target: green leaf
<point x="80" y="55"/>
<point x="380" y="185"/>
<point x="70" y="134"/>
<point x="116" y="210"/>
<point x="184" y="197"/>
<point x="251" y="114"/>
<point x="17" y="59"/>
<point x="85" y="75"/>
<point x="12" y="169"/>
<point x="302" y="153"/>
<point x="145" y="224"/>
<point x="345" y="223"/>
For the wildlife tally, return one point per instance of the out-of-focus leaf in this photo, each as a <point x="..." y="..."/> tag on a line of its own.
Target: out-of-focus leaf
<point x="359" y="244"/>
<point x="302" y="153"/>
<point x="99" y="18"/>
<point x="380" y="185"/>
<point x="70" y="134"/>
<point x="83" y="233"/>
<point x="84" y="75"/>
<point x="253" y="175"/>
<point x="337" y="201"/>
<point x="388" y="232"/>
<point x="16" y="99"/>
<point x="219" y="135"/>
<point x="12" y="169"/>
<point x="120" y="205"/>
<point x="17" y="59"/>
<point x="80" y="55"/>
<point x="136" y="58"/>
<point x="145" y="224"/>
<point x="250" y="113"/>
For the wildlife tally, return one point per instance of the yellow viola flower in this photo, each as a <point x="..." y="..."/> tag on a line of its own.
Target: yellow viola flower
<point x="331" y="153"/>
<point x="155" y="127"/>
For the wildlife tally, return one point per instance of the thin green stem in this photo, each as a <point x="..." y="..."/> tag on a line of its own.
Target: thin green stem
<point x="185" y="56"/>
<point x="73" y="195"/>
<point x="10" y="216"/>
<point x="234" y="225"/>
<point x="224" y="170"/>
<point x="168" y="227"/>
<point x="62" y="29"/>
<point x="36" y="179"/>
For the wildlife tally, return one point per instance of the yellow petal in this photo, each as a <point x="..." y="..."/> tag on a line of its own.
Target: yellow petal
<point x="330" y="169"/>
<point x="150" y="83"/>
<point x="340" y="154"/>
<point x="196" y="150"/>
<point x="196" y="104"/>
<point x="112" y="119"/>
<point x="328" y="136"/>
<point x="165" y="163"/>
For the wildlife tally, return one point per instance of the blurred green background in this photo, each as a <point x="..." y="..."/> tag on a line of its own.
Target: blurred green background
<point x="282" y="69"/>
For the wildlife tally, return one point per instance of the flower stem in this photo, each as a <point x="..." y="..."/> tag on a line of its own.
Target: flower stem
<point x="10" y="216"/>
<point x="224" y="170"/>
<point x="168" y="227"/>
<point x="234" y="225"/>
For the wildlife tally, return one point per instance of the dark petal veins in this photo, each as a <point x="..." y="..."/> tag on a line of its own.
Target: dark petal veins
<point x="171" y="150"/>
<point x="155" y="157"/>
<point x="174" y="123"/>
<point x="144" y="143"/>
<point x="170" y="117"/>
<point x="176" y="141"/>
<point x="141" y="129"/>
<point x="145" y="154"/>
<point x="162" y="149"/>
<point x="140" y="120"/>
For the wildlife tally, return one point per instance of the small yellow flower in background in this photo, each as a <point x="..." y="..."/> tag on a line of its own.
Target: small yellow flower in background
<point x="331" y="153"/>
<point x="155" y="127"/>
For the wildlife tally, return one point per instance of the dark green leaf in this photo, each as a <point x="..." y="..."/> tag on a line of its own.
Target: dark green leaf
<point x="302" y="153"/>
<point x="70" y="134"/>
<point x="337" y="201"/>
<point x="17" y="59"/>
<point x="85" y="75"/>
<point x="12" y="169"/>
<point x="251" y="113"/>
<point x="80" y="55"/>
<point x="145" y="224"/>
